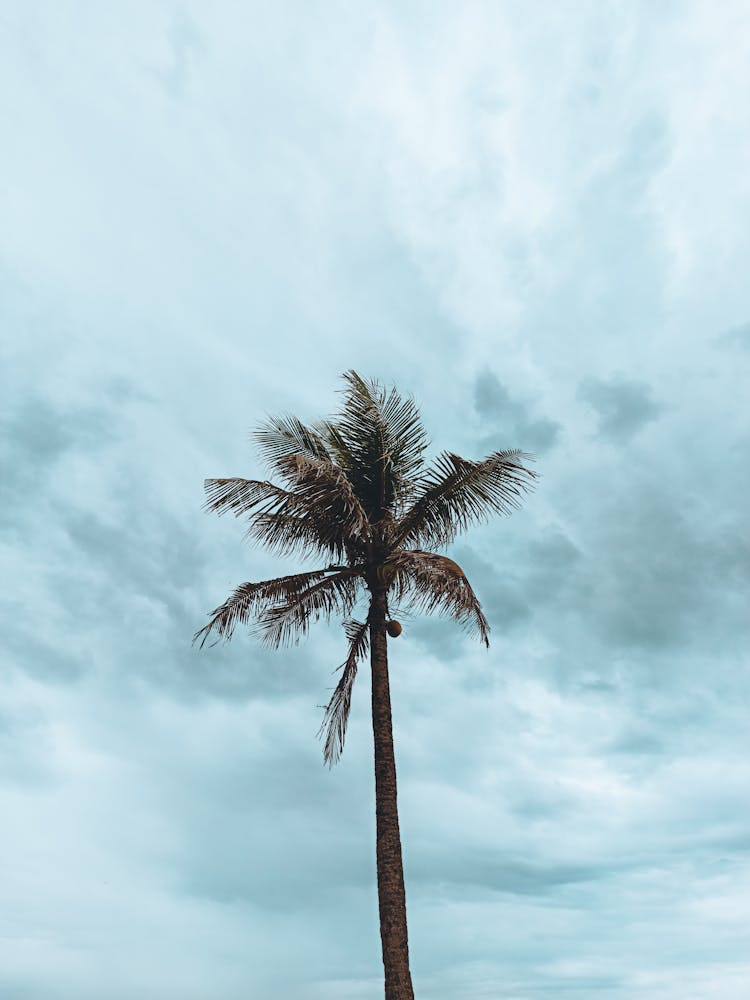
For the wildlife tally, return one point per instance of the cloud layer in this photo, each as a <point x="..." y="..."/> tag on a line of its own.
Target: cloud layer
<point x="532" y="219"/>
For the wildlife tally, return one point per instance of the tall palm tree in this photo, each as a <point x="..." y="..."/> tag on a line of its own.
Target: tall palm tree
<point x="356" y="492"/>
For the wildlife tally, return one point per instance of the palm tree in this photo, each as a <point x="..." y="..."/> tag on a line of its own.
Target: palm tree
<point x="356" y="492"/>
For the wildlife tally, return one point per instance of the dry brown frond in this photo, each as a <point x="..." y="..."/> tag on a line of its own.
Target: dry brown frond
<point x="428" y="582"/>
<point x="289" y="619"/>
<point x="337" y="710"/>
<point x="245" y="602"/>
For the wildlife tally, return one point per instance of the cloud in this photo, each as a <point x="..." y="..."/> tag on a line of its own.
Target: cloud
<point x="512" y="418"/>
<point x="241" y="208"/>
<point x="35" y="435"/>
<point x="623" y="406"/>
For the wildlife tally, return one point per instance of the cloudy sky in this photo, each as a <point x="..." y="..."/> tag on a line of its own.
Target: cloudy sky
<point x="533" y="218"/>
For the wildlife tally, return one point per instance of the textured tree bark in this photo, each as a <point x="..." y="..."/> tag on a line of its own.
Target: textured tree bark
<point x="391" y="894"/>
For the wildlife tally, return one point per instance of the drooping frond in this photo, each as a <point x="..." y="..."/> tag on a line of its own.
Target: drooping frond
<point x="426" y="581"/>
<point x="456" y="492"/>
<point x="337" y="710"/>
<point x="288" y="620"/>
<point x="379" y="439"/>
<point x="249" y="598"/>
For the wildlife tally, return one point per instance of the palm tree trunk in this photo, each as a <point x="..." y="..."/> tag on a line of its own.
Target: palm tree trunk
<point x="391" y="894"/>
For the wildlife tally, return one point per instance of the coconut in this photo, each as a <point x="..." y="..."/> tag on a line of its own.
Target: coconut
<point x="394" y="628"/>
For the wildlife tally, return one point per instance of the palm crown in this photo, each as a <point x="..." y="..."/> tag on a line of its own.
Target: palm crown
<point x="357" y="493"/>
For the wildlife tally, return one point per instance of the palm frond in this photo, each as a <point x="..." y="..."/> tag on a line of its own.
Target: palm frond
<point x="245" y="602"/>
<point x="324" y="490"/>
<point x="287" y="534"/>
<point x="279" y="438"/>
<point x="244" y="496"/>
<point x="337" y="710"/>
<point x="288" y="620"/>
<point x="457" y="492"/>
<point x="379" y="439"/>
<point x="428" y="582"/>
<point x="319" y="515"/>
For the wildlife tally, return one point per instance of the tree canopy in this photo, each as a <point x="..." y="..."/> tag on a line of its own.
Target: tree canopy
<point x="355" y="491"/>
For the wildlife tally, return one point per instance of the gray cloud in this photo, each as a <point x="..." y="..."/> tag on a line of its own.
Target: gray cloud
<point x="659" y="574"/>
<point x="512" y="417"/>
<point x="34" y="435"/>
<point x="623" y="406"/>
<point x="242" y="207"/>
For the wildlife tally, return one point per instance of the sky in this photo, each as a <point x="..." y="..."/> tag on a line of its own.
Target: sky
<point x="534" y="219"/>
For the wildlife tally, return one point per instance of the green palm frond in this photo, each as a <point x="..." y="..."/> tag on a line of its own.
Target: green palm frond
<point x="337" y="710"/>
<point x="457" y="492"/>
<point x="428" y="582"/>
<point x="247" y="599"/>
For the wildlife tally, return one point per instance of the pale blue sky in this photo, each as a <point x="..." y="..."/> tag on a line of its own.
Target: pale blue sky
<point x="533" y="218"/>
